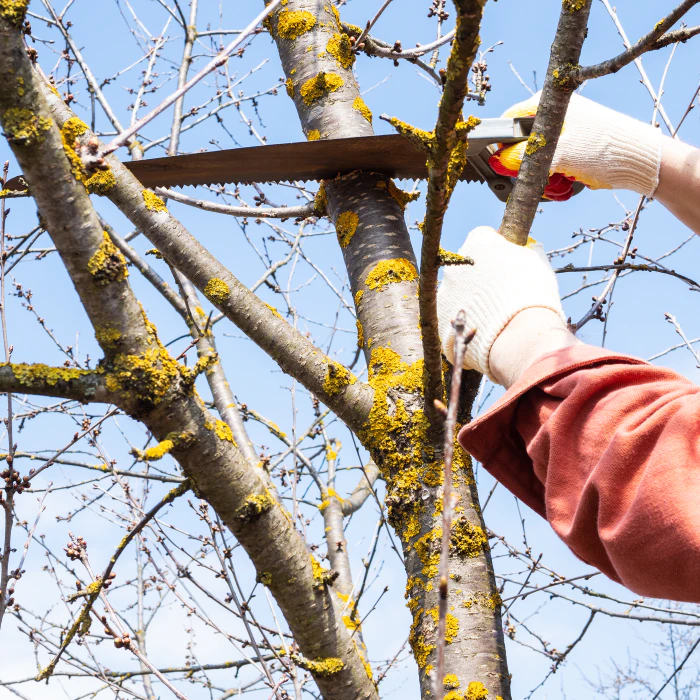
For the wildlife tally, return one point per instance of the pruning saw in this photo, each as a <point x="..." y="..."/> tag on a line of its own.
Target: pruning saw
<point x="391" y="155"/>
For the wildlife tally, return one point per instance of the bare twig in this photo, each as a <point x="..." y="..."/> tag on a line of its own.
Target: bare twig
<point x="302" y="211"/>
<point x="649" y="42"/>
<point x="462" y="339"/>
<point x="220" y="59"/>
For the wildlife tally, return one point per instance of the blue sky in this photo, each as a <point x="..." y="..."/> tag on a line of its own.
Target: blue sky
<point x="637" y="324"/>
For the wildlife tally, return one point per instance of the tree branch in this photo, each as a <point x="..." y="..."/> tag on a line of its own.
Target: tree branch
<point x="653" y="41"/>
<point x="300" y="212"/>
<point x="556" y="94"/>
<point x="59" y="382"/>
<point x="294" y="353"/>
<point x="151" y="386"/>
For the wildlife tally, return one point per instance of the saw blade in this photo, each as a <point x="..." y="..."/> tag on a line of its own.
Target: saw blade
<point x="391" y="155"/>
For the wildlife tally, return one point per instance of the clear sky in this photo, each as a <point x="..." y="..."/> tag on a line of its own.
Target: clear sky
<point x="637" y="325"/>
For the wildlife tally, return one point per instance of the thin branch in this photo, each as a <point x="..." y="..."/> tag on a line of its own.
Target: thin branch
<point x="96" y="589"/>
<point x="629" y="266"/>
<point x="649" y="42"/>
<point x="372" y="22"/>
<point x="219" y="60"/>
<point x="300" y="212"/>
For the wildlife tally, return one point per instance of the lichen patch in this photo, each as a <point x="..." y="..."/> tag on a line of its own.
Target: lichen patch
<point x="319" y="86"/>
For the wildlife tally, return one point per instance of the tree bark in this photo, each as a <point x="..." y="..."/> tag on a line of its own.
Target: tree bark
<point x="368" y="212"/>
<point x="153" y="388"/>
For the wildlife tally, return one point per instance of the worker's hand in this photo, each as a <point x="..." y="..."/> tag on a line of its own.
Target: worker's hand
<point x="599" y="147"/>
<point x="504" y="280"/>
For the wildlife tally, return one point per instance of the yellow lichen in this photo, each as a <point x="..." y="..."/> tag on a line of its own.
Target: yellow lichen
<point x="291" y="25"/>
<point x="340" y="48"/>
<point x="359" y="105"/>
<point x="345" y="227"/>
<point x="153" y="454"/>
<point x="321" y="201"/>
<point x="336" y="15"/>
<point x="351" y="624"/>
<point x="574" y="5"/>
<point x="397" y="437"/>
<point x="321" y="667"/>
<point x="313" y="135"/>
<point x="107" y="335"/>
<point x="467" y="539"/>
<point x="476" y="691"/>
<point x="421" y="650"/>
<point x="153" y="201"/>
<point x="22" y="127"/>
<point x="358" y="297"/>
<point x="216" y="291"/>
<point x="322" y="577"/>
<point x="254" y="506"/>
<point x="107" y="264"/>
<point x="70" y="132"/>
<point x="445" y="257"/>
<point x="14" y="11"/>
<point x="562" y="75"/>
<point x="488" y="600"/>
<point x="387" y="272"/>
<point x="400" y="197"/>
<point x="427" y="548"/>
<point x="37" y="374"/>
<point x="451" y="682"/>
<point x="337" y="378"/>
<point x="451" y="625"/>
<point x="289" y="84"/>
<point x="145" y="377"/>
<point x="535" y="142"/>
<point x="320" y="85"/>
<point x="360" y="334"/>
<point x="100" y="182"/>
<point x="265" y="578"/>
<point x="223" y="431"/>
<point x="274" y="310"/>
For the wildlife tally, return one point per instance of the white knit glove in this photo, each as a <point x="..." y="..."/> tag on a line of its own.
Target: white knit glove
<point x="598" y="146"/>
<point x="504" y="280"/>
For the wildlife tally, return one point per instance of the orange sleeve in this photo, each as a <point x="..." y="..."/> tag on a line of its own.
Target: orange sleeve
<point x="606" y="447"/>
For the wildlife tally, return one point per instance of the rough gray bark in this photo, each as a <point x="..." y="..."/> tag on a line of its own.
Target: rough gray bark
<point x="294" y="353"/>
<point x="159" y="391"/>
<point x="381" y="265"/>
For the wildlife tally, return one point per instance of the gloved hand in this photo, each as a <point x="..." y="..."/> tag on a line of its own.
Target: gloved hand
<point x="504" y="280"/>
<point x="599" y="147"/>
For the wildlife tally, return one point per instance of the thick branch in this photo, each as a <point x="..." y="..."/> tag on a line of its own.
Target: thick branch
<point x="652" y="41"/>
<point x="59" y="382"/>
<point x="160" y="392"/>
<point x="294" y="353"/>
<point x="556" y="94"/>
<point x="362" y="491"/>
<point x="368" y="212"/>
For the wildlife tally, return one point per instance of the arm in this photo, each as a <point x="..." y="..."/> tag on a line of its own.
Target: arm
<point x="679" y="182"/>
<point x="606" y="447"/>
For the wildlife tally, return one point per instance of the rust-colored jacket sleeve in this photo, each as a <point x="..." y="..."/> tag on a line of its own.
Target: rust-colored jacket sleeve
<point x="606" y="447"/>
